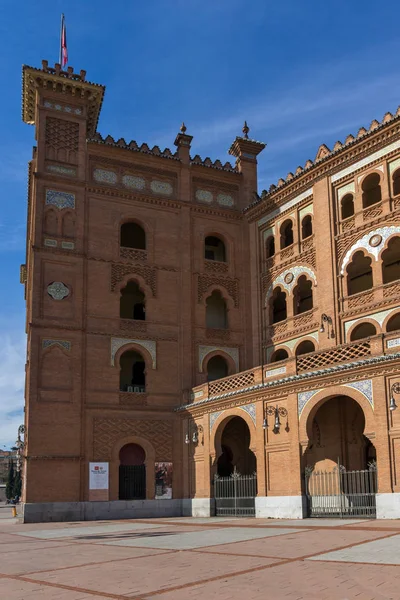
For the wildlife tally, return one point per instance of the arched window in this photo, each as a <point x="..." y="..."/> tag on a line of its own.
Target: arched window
<point x="306" y="227"/>
<point x="133" y="236"/>
<point x="279" y="308"/>
<point x="278" y="355"/>
<point x="391" y="261"/>
<point x="371" y="190"/>
<point x="132" y="372"/>
<point x="394" y="323"/>
<point x="305" y="347"/>
<point x="216" y="313"/>
<point x="270" y="247"/>
<point x="132" y="302"/>
<point x="347" y="206"/>
<point x="396" y="183"/>
<point x="217" y="367"/>
<point x="303" y="295"/>
<point x="359" y="274"/>
<point x="214" y="249"/>
<point x="286" y="234"/>
<point x="363" y="330"/>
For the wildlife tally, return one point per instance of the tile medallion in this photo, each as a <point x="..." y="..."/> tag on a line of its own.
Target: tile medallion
<point x="394" y="343"/>
<point x="58" y="290"/>
<point x="288" y="278"/>
<point x="68" y="109"/>
<point x="303" y="398"/>
<point x="213" y="417"/>
<point x="67" y="245"/>
<point x="105" y="176"/>
<point x="365" y="387"/>
<point x="225" y="200"/>
<point x="60" y="199"/>
<point x="373" y="242"/>
<point x="161" y="187"/>
<point x="133" y="182"/>
<point x="204" y="196"/>
<point x="149" y="345"/>
<point x="251" y="410"/>
<point x="60" y="170"/>
<point x="50" y="243"/>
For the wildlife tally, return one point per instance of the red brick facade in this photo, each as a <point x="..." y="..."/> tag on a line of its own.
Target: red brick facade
<point x="206" y="288"/>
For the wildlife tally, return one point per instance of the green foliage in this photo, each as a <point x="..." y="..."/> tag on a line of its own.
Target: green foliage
<point x="17" y="484"/>
<point x="10" y="481"/>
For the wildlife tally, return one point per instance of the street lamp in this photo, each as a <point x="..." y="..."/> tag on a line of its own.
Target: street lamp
<point x="276" y="412"/>
<point x="395" y="389"/>
<point x="192" y="435"/>
<point x="20" y="445"/>
<point x="326" y="320"/>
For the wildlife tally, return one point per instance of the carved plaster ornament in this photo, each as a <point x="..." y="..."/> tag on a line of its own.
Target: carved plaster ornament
<point x="58" y="290"/>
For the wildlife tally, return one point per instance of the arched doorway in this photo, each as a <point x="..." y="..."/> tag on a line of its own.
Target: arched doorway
<point x="132" y="472"/>
<point x="235" y="484"/>
<point x="339" y="461"/>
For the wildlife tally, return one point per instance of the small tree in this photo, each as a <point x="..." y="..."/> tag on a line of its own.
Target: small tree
<point x="17" y="488"/>
<point x="10" y="481"/>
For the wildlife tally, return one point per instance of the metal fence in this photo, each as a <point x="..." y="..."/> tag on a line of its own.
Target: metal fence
<point x="340" y="493"/>
<point x="235" y="495"/>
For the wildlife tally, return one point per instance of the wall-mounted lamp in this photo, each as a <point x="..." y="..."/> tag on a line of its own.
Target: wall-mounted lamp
<point x="276" y="412"/>
<point x="326" y="321"/>
<point x="192" y="436"/>
<point x="395" y="389"/>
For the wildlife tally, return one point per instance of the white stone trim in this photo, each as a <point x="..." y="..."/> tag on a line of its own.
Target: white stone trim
<point x="366" y="161"/>
<point x="363" y="175"/>
<point x="394" y="165"/>
<point x="307" y="210"/>
<point x="379" y="317"/>
<point x="274" y="372"/>
<point x="388" y="506"/>
<point x="149" y="345"/>
<point x="281" y="507"/>
<point x="296" y="272"/>
<point x="291" y="343"/>
<point x="205" y="350"/>
<point x="277" y="211"/>
<point x="363" y="243"/>
<point x="350" y="188"/>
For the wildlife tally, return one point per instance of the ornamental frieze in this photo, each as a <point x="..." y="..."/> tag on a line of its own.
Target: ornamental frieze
<point x="120" y="271"/>
<point x="229" y="284"/>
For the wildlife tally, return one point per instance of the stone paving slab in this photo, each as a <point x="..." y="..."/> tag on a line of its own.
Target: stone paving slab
<point x="386" y="551"/>
<point x="297" y="581"/>
<point x="23" y="590"/>
<point x="201" y="539"/>
<point x="147" y="574"/>
<point x="296" y="545"/>
<point x="76" y="532"/>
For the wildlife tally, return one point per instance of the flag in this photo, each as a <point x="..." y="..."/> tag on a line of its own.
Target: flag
<point x="63" y="44"/>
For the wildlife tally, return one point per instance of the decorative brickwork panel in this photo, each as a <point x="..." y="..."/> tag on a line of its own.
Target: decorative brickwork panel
<point x="231" y="286"/>
<point x="132" y="399"/>
<point x="107" y="432"/>
<point x="372" y="213"/>
<point x="277" y="329"/>
<point x="360" y="300"/>
<point x="396" y="203"/>
<point x="62" y="140"/>
<point x="348" y="224"/>
<point x="287" y="253"/>
<point x="392" y="290"/>
<point x="132" y="325"/>
<point x="215" y="266"/>
<point x="119" y="271"/>
<point x="307" y="244"/>
<point x="231" y="383"/>
<point x="302" y="320"/>
<point x="318" y="360"/>
<point x="218" y="334"/>
<point x="133" y="254"/>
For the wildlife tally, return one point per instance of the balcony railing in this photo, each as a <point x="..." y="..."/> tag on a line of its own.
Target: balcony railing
<point x="215" y="266"/>
<point x="133" y="254"/>
<point x="380" y="293"/>
<point x="284" y="328"/>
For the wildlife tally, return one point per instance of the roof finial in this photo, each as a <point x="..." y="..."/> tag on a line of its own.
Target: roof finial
<point x="246" y="130"/>
<point x="183" y="127"/>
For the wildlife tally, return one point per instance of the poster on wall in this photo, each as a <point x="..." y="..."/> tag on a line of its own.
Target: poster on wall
<point x="98" y="481"/>
<point x="163" y="479"/>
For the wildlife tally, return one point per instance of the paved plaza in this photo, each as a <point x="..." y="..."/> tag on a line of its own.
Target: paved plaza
<point x="188" y="558"/>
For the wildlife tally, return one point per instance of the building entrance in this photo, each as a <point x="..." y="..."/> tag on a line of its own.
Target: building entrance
<point x="132" y="473"/>
<point x="340" y="462"/>
<point x="235" y="483"/>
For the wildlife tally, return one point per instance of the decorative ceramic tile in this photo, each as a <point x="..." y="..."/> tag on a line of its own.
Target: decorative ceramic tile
<point x="365" y="387"/>
<point x="373" y="248"/>
<point x="60" y="199"/>
<point x="60" y="170"/>
<point x="105" y="176"/>
<point x="67" y="245"/>
<point x="379" y="317"/>
<point x="161" y="187"/>
<point x="62" y="343"/>
<point x="393" y="343"/>
<point x="303" y="398"/>
<point x="307" y="210"/>
<point x="365" y="161"/>
<point x="213" y="417"/>
<point x="275" y="372"/>
<point x="251" y="410"/>
<point x="149" y="345"/>
<point x="288" y="278"/>
<point x="50" y="243"/>
<point x="394" y="165"/>
<point x="204" y="196"/>
<point x="225" y="200"/>
<point x="58" y="290"/>
<point x="198" y="394"/>
<point x="277" y="211"/>
<point x="131" y="181"/>
<point x="232" y="352"/>
<point x="350" y="188"/>
<point x="376" y="168"/>
<point x="59" y="107"/>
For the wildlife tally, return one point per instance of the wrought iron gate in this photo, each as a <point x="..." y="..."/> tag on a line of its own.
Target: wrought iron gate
<point x="132" y="482"/>
<point x="235" y="495"/>
<point x="340" y="493"/>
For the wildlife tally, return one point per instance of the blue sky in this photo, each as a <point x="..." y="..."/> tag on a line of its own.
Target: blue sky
<point x="301" y="73"/>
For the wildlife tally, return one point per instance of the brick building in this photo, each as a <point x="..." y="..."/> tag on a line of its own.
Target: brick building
<point x="180" y="326"/>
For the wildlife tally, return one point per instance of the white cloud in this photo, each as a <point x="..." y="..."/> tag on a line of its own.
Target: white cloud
<point x="12" y="377"/>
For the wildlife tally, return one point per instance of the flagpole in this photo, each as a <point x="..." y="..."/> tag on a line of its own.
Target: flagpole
<point x="61" y="24"/>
